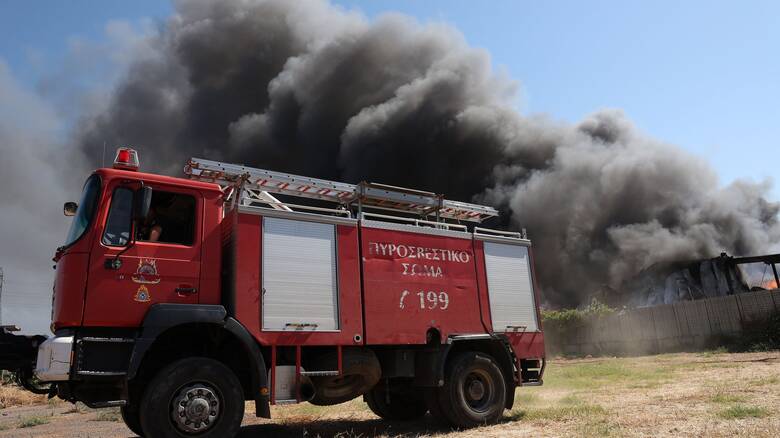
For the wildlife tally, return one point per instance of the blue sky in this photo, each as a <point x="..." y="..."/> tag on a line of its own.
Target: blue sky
<point x="704" y="75"/>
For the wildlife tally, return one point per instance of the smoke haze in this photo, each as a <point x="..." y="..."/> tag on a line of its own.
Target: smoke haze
<point x="31" y="222"/>
<point x="41" y="166"/>
<point x="305" y="87"/>
<point x="309" y="88"/>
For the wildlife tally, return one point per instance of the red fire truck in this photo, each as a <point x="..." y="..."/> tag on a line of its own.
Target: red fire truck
<point x="178" y="299"/>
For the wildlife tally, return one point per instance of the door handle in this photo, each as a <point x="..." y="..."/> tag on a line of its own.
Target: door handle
<point x="186" y="290"/>
<point x="112" y="263"/>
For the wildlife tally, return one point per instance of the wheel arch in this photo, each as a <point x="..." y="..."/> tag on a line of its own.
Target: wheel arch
<point x="174" y="331"/>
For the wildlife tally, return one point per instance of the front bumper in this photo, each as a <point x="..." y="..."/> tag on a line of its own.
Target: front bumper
<point x="55" y="356"/>
<point x="87" y="364"/>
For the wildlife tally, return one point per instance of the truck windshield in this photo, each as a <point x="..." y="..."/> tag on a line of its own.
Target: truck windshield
<point x="86" y="210"/>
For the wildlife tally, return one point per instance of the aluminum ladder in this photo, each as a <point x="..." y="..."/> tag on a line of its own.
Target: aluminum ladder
<point x="258" y="185"/>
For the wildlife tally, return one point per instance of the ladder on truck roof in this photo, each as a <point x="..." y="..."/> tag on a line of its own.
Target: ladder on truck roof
<point x="258" y="185"/>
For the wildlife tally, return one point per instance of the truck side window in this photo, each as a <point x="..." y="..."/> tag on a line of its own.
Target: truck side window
<point x="171" y="219"/>
<point x="117" y="232"/>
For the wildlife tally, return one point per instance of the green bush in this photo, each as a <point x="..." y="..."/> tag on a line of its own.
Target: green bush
<point x="571" y="318"/>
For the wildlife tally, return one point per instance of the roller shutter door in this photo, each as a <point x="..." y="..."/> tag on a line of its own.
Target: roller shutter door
<point x="300" y="288"/>
<point x="509" y="287"/>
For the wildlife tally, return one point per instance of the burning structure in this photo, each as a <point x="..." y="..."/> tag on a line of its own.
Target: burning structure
<point x="669" y="282"/>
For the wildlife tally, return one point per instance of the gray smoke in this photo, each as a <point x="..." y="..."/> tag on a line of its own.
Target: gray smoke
<point x="40" y="169"/>
<point x="35" y="166"/>
<point x="308" y="88"/>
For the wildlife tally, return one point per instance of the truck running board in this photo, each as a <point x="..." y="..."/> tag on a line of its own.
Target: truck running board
<point x="287" y="402"/>
<point x="108" y="404"/>
<point x="319" y="373"/>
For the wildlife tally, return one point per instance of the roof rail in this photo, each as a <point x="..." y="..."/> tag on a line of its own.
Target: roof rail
<point x="478" y="231"/>
<point x="416" y="222"/>
<point x="258" y="184"/>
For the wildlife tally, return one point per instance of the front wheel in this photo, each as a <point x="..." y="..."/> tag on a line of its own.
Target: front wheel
<point x="474" y="391"/>
<point x="194" y="396"/>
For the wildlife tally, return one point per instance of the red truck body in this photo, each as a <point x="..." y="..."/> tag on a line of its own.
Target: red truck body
<point x="293" y="301"/>
<point x="379" y="311"/>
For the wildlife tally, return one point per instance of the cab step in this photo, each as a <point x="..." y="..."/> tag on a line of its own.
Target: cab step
<point x="291" y="401"/>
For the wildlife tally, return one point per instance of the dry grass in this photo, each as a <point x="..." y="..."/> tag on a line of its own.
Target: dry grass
<point x="772" y="380"/>
<point x="713" y="394"/>
<point x="110" y="414"/>
<point x="12" y="395"/>
<point x="707" y="394"/>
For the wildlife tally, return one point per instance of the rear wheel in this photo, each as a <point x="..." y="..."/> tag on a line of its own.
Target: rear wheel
<point x="396" y="399"/>
<point x="474" y="392"/>
<point x="194" y="396"/>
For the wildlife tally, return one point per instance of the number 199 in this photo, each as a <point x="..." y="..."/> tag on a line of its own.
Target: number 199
<point x="432" y="300"/>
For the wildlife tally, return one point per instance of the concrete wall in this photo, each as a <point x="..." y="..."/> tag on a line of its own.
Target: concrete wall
<point x="682" y="326"/>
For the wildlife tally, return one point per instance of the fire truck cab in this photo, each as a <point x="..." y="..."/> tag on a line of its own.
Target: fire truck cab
<point x="179" y="299"/>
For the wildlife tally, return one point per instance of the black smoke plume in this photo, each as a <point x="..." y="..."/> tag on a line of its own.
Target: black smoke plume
<point x="308" y="88"/>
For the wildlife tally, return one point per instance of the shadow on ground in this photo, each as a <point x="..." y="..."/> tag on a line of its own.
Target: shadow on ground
<point x="344" y="428"/>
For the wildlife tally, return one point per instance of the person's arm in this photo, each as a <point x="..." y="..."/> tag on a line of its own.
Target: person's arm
<point x="154" y="233"/>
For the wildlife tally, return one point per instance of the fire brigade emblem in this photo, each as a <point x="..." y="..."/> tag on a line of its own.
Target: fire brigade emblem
<point x="146" y="272"/>
<point x="142" y="294"/>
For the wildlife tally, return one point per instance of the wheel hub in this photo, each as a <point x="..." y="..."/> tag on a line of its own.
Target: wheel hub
<point x="195" y="408"/>
<point x="476" y="390"/>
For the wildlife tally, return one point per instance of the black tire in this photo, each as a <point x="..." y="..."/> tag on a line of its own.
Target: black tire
<point x="403" y="403"/>
<point x="360" y="372"/>
<point x="190" y="386"/>
<point x="132" y="418"/>
<point x="474" y="392"/>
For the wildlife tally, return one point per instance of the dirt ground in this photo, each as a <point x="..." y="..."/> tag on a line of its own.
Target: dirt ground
<point x="709" y="394"/>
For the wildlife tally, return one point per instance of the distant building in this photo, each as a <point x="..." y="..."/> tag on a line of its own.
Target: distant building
<point x="670" y="282"/>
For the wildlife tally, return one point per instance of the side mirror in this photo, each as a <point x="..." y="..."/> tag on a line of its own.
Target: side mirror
<point x="69" y="209"/>
<point x="143" y="203"/>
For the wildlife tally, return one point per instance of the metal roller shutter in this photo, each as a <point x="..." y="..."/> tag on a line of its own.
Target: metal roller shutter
<point x="509" y="286"/>
<point x="299" y="275"/>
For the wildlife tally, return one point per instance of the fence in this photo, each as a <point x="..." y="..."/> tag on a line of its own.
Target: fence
<point x="682" y="326"/>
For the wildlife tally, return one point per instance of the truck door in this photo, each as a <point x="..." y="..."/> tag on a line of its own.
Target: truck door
<point x="162" y="266"/>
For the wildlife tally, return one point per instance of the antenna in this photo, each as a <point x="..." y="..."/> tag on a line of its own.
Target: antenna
<point x="103" y="163"/>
